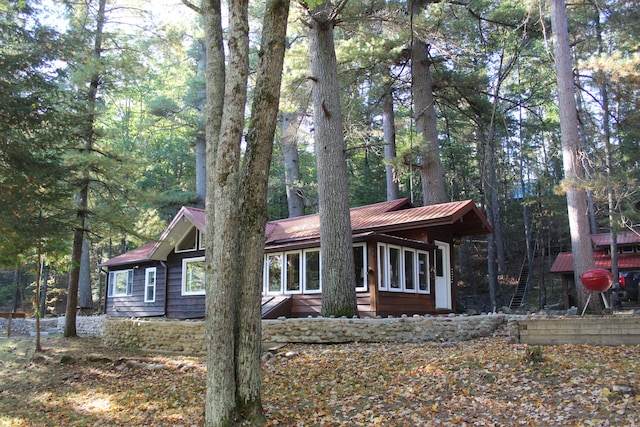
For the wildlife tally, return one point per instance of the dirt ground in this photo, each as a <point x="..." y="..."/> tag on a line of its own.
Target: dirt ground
<point x="80" y="382"/>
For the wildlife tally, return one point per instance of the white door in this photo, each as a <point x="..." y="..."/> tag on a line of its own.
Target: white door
<point x="442" y="266"/>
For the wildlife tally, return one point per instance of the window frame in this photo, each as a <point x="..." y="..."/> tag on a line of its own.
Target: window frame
<point x="177" y="249"/>
<point x="305" y="289"/>
<point x="147" y="286"/>
<point x="383" y="272"/>
<point x="285" y="273"/>
<point x="113" y="281"/>
<point x="185" y="263"/>
<point x="400" y="267"/>
<point x="267" y="274"/>
<point x="427" y="272"/>
<point x="414" y="270"/>
<point x="365" y="276"/>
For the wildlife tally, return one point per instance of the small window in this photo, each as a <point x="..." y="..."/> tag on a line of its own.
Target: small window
<point x="150" y="285"/>
<point x="409" y="270"/>
<point x="423" y="272"/>
<point x="360" y="263"/>
<point x="120" y="283"/>
<point x="311" y="266"/>
<point x="201" y="241"/>
<point x="292" y="261"/>
<point x="273" y="273"/>
<point x="382" y="267"/>
<point x="395" y="263"/>
<point x="188" y="243"/>
<point x="193" y="276"/>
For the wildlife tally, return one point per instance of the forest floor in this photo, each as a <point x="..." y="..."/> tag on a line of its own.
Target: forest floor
<point x="485" y="382"/>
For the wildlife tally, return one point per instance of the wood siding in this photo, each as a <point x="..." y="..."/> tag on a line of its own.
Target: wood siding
<point x="182" y="306"/>
<point x="134" y="305"/>
<point x="399" y="303"/>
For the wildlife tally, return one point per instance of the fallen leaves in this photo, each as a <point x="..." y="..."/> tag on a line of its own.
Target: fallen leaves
<point x="476" y="383"/>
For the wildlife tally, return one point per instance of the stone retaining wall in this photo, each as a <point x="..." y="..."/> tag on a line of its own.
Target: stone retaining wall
<point x="188" y="336"/>
<point x="85" y="325"/>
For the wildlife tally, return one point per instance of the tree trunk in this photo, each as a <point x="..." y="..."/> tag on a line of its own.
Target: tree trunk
<point x="201" y="169"/>
<point x="389" y="133"/>
<point x="224" y="127"/>
<point x="292" y="176"/>
<point x="253" y="199"/>
<point x="336" y="248"/>
<point x="85" y="298"/>
<point x="573" y="182"/>
<point x="433" y="191"/>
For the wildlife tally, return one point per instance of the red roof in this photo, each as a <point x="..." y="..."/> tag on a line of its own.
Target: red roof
<point x="386" y="216"/>
<point x="134" y="255"/>
<point x="379" y="217"/>
<point x="564" y="262"/>
<point x="624" y="238"/>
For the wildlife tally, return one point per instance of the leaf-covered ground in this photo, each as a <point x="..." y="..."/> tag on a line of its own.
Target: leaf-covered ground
<point x="485" y="382"/>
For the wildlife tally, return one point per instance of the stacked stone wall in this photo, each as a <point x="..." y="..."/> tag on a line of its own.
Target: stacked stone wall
<point x="189" y="336"/>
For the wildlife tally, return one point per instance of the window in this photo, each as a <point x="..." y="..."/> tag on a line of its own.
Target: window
<point x="193" y="276"/>
<point x="150" y="285"/>
<point x="383" y="270"/>
<point x="273" y="273"/>
<point x="409" y="270"/>
<point x="311" y="265"/>
<point x="188" y="243"/>
<point x="423" y="272"/>
<point x="293" y="260"/>
<point x="120" y="283"/>
<point x="395" y="262"/>
<point x="360" y="263"/>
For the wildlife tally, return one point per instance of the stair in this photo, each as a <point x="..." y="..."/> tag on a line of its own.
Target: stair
<point x="518" y="296"/>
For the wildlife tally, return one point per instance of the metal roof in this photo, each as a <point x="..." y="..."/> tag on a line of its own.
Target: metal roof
<point x="564" y="262"/>
<point x="383" y="217"/>
<point x="623" y="238"/>
<point x="130" y="257"/>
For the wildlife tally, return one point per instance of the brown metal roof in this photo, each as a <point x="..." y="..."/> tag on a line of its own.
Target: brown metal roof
<point x="386" y="216"/>
<point x="130" y="257"/>
<point x="383" y="217"/>
<point x="564" y="262"/>
<point x="623" y="238"/>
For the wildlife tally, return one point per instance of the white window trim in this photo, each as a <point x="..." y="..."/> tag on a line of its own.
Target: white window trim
<point x="383" y="271"/>
<point x="201" y="242"/>
<point x="146" y="283"/>
<point x="285" y="273"/>
<point x="403" y="279"/>
<point x="428" y="272"/>
<point x="184" y="291"/>
<point x="195" y="244"/>
<point x="365" y="278"/>
<point x="112" y="282"/>
<point x="400" y="287"/>
<point x="265" y="280"/>
<point x="304" y="271"/>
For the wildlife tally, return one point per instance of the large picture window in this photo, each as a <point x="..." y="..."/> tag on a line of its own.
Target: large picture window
<point x="193" y="276"/>
<point x="150" y="285"/>
<point x="120" y="283"/>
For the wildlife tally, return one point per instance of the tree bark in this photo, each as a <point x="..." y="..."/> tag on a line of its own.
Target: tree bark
<point x="292" y="177"/>
<point x="389" y="134"/>
<point x="224" y="126"/>
<point x="573" y="173"/>
<point x="253" y="199"/>
<point x="85" y="297"/>
<point x="82" y="201"/>
<point x="336" y="249"/>
<point x="433" y="191"/>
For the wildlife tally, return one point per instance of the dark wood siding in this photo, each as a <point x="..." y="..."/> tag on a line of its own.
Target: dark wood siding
<point x="311" y="304"/>
<point x="134" y="305"/>
<point x="182" y="306"/>
<point x="399" y="303"/>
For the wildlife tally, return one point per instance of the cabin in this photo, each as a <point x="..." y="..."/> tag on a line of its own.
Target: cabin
<point x="403" y="263"/>
<point x="628" y="258"/>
